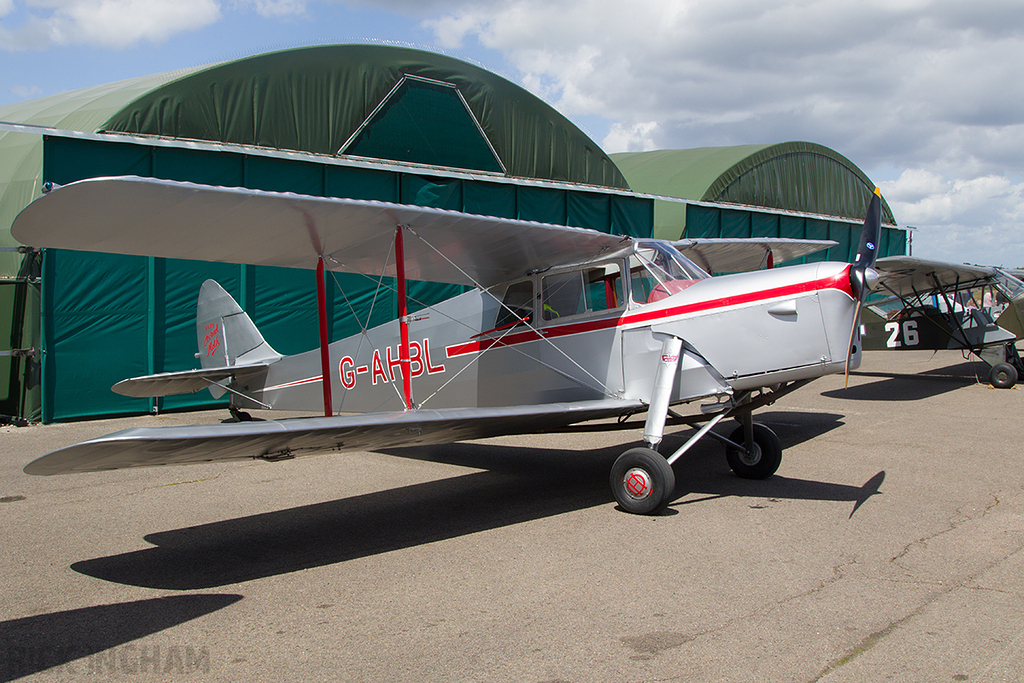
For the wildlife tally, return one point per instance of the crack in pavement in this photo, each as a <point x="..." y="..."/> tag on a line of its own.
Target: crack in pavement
<point x="945" y="588"/>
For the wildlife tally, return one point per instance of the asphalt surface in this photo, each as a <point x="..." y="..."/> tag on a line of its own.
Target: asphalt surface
<point x="887" y="547"/>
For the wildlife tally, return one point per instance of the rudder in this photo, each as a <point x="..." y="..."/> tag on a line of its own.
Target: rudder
<point x="225" y="333"/>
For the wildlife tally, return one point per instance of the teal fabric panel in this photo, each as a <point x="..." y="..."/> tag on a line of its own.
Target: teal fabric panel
<point x="283" y="175"/>
<point x="489" y="199"/>
<point x="542" y="205"/>
<point x="10" y="338"/>
<point x="735" y="223"/>
<point x="425" y="123"/>
<point x="196" y="166"/>
<point x="66" y="160"/>
<point x="893" y="242"/>
<point x="96" y="308"/>
<point x="633" y="216"/>
<point x="285" y="308"/>
<point x="361" y="183"/>
<point x="588" y="210"/>
<point x="764" y="225"/>
<point x="440" y="193"/>
<point x="848" y="237"/>
<point x="174" y="321"/>
<point x="816" y="230"/>
<point x="792" y="226"/>
<point x="702" y="221"/>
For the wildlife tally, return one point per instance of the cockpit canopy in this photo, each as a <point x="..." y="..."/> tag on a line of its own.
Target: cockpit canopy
<point x="656" y="270"/>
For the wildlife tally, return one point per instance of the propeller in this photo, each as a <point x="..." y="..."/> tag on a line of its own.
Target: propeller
<point x="863" y="276"/>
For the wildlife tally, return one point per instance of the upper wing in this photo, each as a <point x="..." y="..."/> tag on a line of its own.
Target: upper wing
<point x="285" y="438"/>
<point x="723" y="255"/>
<point x="163" y="218"/>
<point x="910" y="276"/>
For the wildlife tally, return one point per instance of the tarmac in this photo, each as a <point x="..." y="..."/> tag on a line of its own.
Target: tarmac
<point x="887" y="547"/>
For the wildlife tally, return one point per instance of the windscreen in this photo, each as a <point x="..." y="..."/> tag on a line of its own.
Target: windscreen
<point x="657" y="270"/>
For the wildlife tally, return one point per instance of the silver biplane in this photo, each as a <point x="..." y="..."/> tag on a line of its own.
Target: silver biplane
<point x="935" y="305"/>
<point x="562" y="325"/>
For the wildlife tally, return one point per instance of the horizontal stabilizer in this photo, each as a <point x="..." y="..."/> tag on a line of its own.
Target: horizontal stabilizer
<point x="185" y="382"/>
<point x="302" y="436"/>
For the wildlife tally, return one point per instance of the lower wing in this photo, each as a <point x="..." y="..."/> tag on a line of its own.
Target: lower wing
<point x="272" y="440"/>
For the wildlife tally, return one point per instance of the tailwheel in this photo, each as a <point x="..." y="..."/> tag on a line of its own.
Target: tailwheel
<point x="760" y="459"/>
<point x="642" y="481"/>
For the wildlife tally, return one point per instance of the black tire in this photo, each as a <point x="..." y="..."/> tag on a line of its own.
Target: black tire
<point x="765" y="459"/>
<point x="1002" y="376"/>
<point x="642" y="481"/>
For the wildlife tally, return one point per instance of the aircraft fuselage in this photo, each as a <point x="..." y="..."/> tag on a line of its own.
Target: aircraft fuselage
<point x="512" y="346"/>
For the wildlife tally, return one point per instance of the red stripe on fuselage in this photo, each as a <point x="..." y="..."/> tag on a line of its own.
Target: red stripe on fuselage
<point x="840" y="281"/>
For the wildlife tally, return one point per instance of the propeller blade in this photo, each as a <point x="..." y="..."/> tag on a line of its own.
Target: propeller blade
<point x="862" y="274"/>
<point x="849" y="348"/>
<point x="867" y="250"/>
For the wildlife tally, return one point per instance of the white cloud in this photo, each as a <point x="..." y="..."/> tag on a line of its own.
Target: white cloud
<point x="278" y="8"/>
<point x="636" y="138"/>
<point x="106" y="23"/>
<point x="936" y="86"/>
<point x="977" y="220"/>
<point x="25" y="92"/>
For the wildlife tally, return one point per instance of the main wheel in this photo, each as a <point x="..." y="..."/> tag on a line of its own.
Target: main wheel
<point x="1002" y="376"/>
<point x="763" y="459"/>
<point x="642" y="481"/>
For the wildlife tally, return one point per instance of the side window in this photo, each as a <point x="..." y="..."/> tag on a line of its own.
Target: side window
<point x="603" y="287"/>
<point x="563" y="295"/>
<point x="517" y="305"/>
<point x="642" y="283"/>
<point x="594" y="289"/>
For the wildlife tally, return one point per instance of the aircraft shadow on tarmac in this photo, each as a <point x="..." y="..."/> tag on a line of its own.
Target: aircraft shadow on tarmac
<point x="33" y="644"/>
<point x="913" y="386"/>
<point x="518" y="484"/>
<point x="711" y="475"/>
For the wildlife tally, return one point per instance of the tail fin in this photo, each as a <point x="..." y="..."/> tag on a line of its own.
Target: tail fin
<point x="226" y="335"/>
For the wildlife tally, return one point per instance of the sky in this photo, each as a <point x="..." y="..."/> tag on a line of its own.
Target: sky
<point x="925" y="96"/>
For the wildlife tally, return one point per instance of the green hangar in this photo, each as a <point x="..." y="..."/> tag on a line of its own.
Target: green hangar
<point x="360" y="121"/>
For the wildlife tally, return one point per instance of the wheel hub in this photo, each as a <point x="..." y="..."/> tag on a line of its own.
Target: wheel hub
<point x="637" y="483"/>
<point x="751" y="457"/>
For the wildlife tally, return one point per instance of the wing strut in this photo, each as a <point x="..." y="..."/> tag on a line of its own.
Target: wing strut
<point x="325" y="352"/>
<point x="403" y="320"/>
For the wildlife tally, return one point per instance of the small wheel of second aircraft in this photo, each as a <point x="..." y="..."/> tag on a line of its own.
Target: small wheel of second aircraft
<point x="1002" y="376"/>
<point x="642" y="481"/>
<point x="763" y="459"/>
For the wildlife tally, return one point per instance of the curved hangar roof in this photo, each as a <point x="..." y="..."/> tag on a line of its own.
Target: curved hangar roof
<point x="359" y="101"/>
<point x="791" y="176"/>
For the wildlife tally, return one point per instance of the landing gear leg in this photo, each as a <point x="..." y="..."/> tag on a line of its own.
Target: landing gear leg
<point x="642" y="480"/>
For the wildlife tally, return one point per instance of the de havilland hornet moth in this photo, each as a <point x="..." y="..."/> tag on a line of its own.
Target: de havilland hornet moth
<point x="562" y="325"/>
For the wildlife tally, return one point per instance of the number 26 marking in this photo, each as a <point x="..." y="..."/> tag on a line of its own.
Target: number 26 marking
<point x="910" y="337"/>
